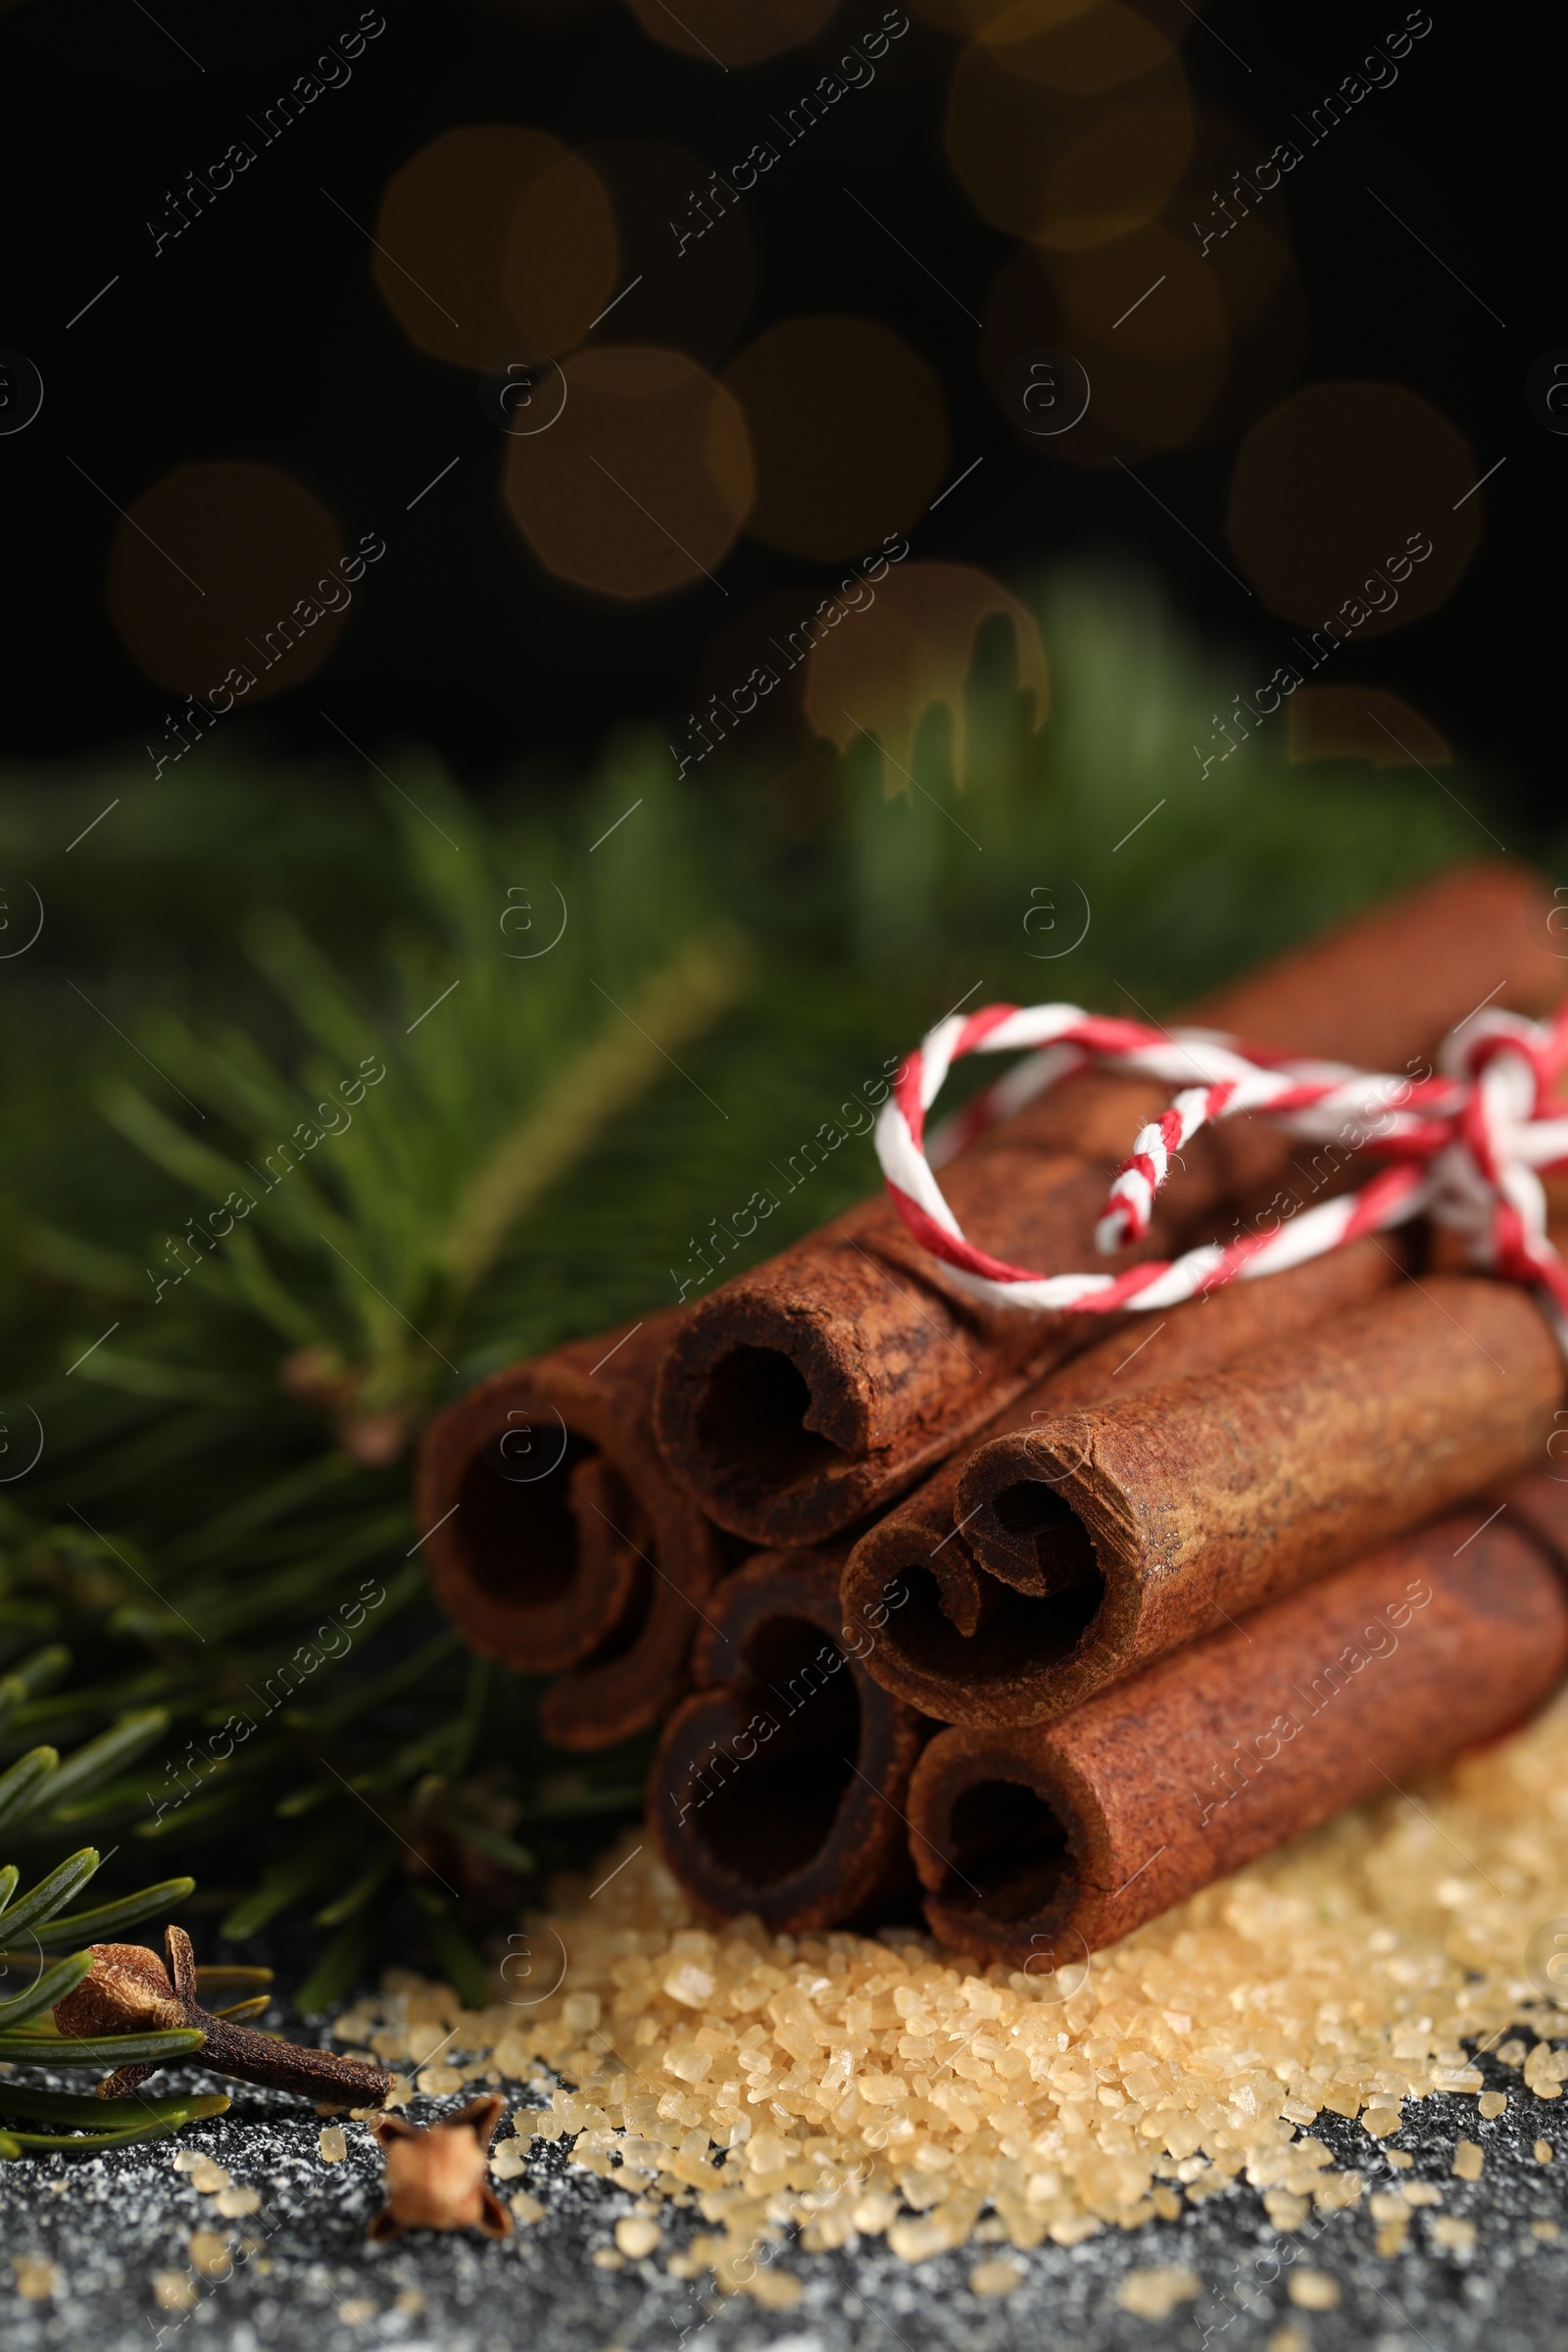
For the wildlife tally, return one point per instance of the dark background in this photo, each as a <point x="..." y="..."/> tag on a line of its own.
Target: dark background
<point x="259" y="333"/>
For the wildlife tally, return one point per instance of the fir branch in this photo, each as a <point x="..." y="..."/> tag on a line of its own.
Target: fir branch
<point x="25" y="2036"/>
<point x="627" y="1057"/>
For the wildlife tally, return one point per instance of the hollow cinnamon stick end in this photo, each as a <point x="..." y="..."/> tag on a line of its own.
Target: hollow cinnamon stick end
<point x="778" y="1790"/>
<point x="1014" y="1503"/>
<point x="1011" y="1850"/>
<point x="962" y="1645"/>
<point x="492" y="1493"/>
<point x="764" y="1410"/>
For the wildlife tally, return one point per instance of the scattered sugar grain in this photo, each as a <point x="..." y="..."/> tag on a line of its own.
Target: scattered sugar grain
<point x="1468" y="2160"/>
<point x="435" y="2081"/>
<point x="357" y="2311"/>
<point x="637" y="2237"/>
<point x="1289" y="2338"/>
<point x="1313" y="2290"/>
<point x="606" y="2258"/>
<point x="331" y="2145"/>
<point x="995" y="2279"/>
<point x="1456" y="2236"/>
<point x="1543" y="2151"/>
<point x="410" y="2302"/>
<point x="37" y="2278"/>
<point x="884" y="2087"/>
<point x="172" y="2290"/>
<point x="775" y="2290"/>
<point x="1492" y="2104"/>
<point x="1544" y="2229"/>
<point x="1155" y="2294"/>
<point x="509" y="2158"/>
<point x="524" y="2208"/>
<point x="209" y="2253"/>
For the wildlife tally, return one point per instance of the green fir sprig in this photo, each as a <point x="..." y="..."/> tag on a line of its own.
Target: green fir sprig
<point x="35" y="1923"/>
<point x="332" y="1070"/>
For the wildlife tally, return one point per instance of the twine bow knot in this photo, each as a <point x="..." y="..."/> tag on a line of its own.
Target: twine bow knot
<point x="1466" y="1143"/>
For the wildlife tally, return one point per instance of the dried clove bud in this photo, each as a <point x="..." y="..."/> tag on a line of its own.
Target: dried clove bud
<point x="130" y="1990"/>
<point x="436" y="2179"/>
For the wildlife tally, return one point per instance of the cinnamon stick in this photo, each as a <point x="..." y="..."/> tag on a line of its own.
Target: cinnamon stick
<point x="557" y="1539"/>
<point x="1138" y="1524"/>
<point x="813" y="1391"/>
<point x="1042" y="1843"/>
<point x="779" y="1785"/>
<point x="945" y="1626"/>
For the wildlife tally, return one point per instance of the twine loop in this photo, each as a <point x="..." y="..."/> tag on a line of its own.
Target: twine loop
<point x="1466" y="1143"/>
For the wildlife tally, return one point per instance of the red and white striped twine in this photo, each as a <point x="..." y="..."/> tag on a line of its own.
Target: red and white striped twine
<point x="1465" y="1146"/>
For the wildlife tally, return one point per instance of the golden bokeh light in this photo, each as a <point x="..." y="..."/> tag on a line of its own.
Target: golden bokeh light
<point x="643" y="481"/>
<point x="700" y="305"/>
<point x="879" y="671"/>
<point x="732" y="32"/>
<point x="968" y="18"/>
<point x="1337" y="492"/>
<point x="548" y="15"/>
<point x="1147" y="393"/>
<point x="1361" y="722"/>
<point x="561" y="256"/>
<point x="1247" y="253"/>
<point x="1145" y="295"/>
<point x="850" y="433"/>
<point x="1068" y="171"/>
<point x="228" y="571"/>
<point x="1115" y="173"/>
<point x="495" y="238"/>
<point x="1245" y="243"/>
<point x="1081" y="47"/>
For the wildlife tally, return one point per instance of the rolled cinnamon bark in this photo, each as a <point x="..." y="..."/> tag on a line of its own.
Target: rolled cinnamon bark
<point x="557" y="1539"/>
<point x="942" y="1627"/>
<point x="779" y="1788"/>
<point x="1060" y="1838"/>
<point x="1136" y="1525"/>
<point x="811" y="1391"/>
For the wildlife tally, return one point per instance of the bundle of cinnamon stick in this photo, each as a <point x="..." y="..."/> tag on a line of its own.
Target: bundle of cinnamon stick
<point x="1048" y="1620"/>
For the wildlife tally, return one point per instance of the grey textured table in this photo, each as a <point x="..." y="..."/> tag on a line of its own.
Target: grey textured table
<point x="110" y="2225"/>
